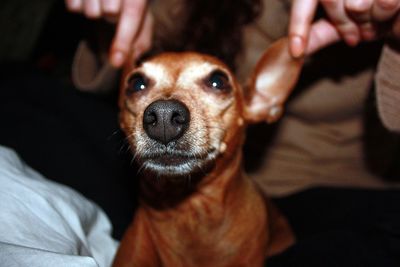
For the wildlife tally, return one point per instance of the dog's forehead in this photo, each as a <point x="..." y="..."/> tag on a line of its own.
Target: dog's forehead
<point x="181" y="68"/>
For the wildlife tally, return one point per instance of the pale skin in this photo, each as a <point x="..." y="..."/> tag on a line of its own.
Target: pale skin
<point x="134" y="25"/>
<point x="351" y="21"/>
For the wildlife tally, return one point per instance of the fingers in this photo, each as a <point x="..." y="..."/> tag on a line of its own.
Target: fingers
<point x="74" y="5"/>
<point x="144" y="39"/>
<point x="128" y="26"/>
<point x="347" y="28"/>
<point x="111" y="7"/>
<point x="383" y="10"/>
<point x="322" y="34"/>
<point x="132" y="28"/>
<point x="368" y="14"/>
<point x="92" y="8"/>
<point x="360" y="12"/>
<point x="350" y="20"/>
<point x="301" y="17"/>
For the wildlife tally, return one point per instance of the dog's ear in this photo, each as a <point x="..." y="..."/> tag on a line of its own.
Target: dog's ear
<point x="272" y="81"/>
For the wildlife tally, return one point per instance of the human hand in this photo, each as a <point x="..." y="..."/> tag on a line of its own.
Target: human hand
<point x="352" y="21"/>
<point x="134" y="27"/>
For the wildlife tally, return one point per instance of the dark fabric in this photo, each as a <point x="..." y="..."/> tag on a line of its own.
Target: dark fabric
<point x="69" y="137"/>
<point x="342" y="227"/>
<point x="21" y="23"/>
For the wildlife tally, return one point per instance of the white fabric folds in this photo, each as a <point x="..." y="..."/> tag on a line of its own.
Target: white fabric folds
<point x="43" y="223"/>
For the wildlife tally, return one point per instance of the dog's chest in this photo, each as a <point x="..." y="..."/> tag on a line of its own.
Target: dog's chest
<point x="205" y="233"/>
<point x="198" y="222"/>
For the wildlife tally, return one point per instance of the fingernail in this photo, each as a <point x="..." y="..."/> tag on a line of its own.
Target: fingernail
<point x="74" y="4"/>
<point x="117" y="59"/>
<point x="296" y="46"/>
<point x="351" y="39"/>
<point x="357" y="5"/>
<point x="368" y="32"/>
<point x="93" y="11"/>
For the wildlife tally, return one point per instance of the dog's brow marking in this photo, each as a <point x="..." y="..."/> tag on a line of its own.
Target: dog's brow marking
<point x="193" y="72"/>
<point x="222" y="147"/>
<point x="159" y="73"/>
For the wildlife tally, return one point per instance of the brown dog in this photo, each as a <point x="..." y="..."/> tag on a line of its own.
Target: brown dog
<point x="185" y="117"/>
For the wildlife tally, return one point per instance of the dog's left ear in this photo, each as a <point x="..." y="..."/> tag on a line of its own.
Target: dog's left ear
<point x="272" y="81"/>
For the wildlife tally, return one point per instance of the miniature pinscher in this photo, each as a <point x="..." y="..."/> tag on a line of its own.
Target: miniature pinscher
<point x="185" y="115"/>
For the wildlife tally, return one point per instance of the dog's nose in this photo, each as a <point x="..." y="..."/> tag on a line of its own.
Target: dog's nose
<point x="166" y="120"/>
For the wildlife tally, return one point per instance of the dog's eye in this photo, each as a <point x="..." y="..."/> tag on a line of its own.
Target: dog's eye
<point x="218" y="80"/>
<point x="137" y="82"/>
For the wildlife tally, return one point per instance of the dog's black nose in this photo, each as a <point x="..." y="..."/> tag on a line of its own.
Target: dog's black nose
<point x="166" y="120"/>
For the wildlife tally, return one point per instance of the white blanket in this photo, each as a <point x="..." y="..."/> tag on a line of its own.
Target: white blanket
<point x="43" y="223"/>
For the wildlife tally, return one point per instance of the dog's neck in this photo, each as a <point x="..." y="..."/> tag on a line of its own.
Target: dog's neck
<point x="160" y="194"/>
<point x="220" y="205"/>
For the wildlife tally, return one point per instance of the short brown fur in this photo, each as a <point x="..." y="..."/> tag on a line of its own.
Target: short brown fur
<point x="211" y="214"/>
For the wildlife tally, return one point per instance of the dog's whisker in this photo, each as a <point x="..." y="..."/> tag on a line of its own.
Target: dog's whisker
<point x="113" y="134"/>
<point x="132" y="160"/>
<point x="128" y="148"/>
<point x="200" y="168"/>
<point x="125" y="146"/>
<point x="135" y="155"/>
<point x="142" y="167"/>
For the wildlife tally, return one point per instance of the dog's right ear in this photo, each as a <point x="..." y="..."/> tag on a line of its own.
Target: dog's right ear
<point x="272" y="81"/>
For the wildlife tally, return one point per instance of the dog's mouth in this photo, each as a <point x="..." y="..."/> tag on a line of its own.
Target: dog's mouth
<point x="172" y="160"/>
<point x="177" y="163"/>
